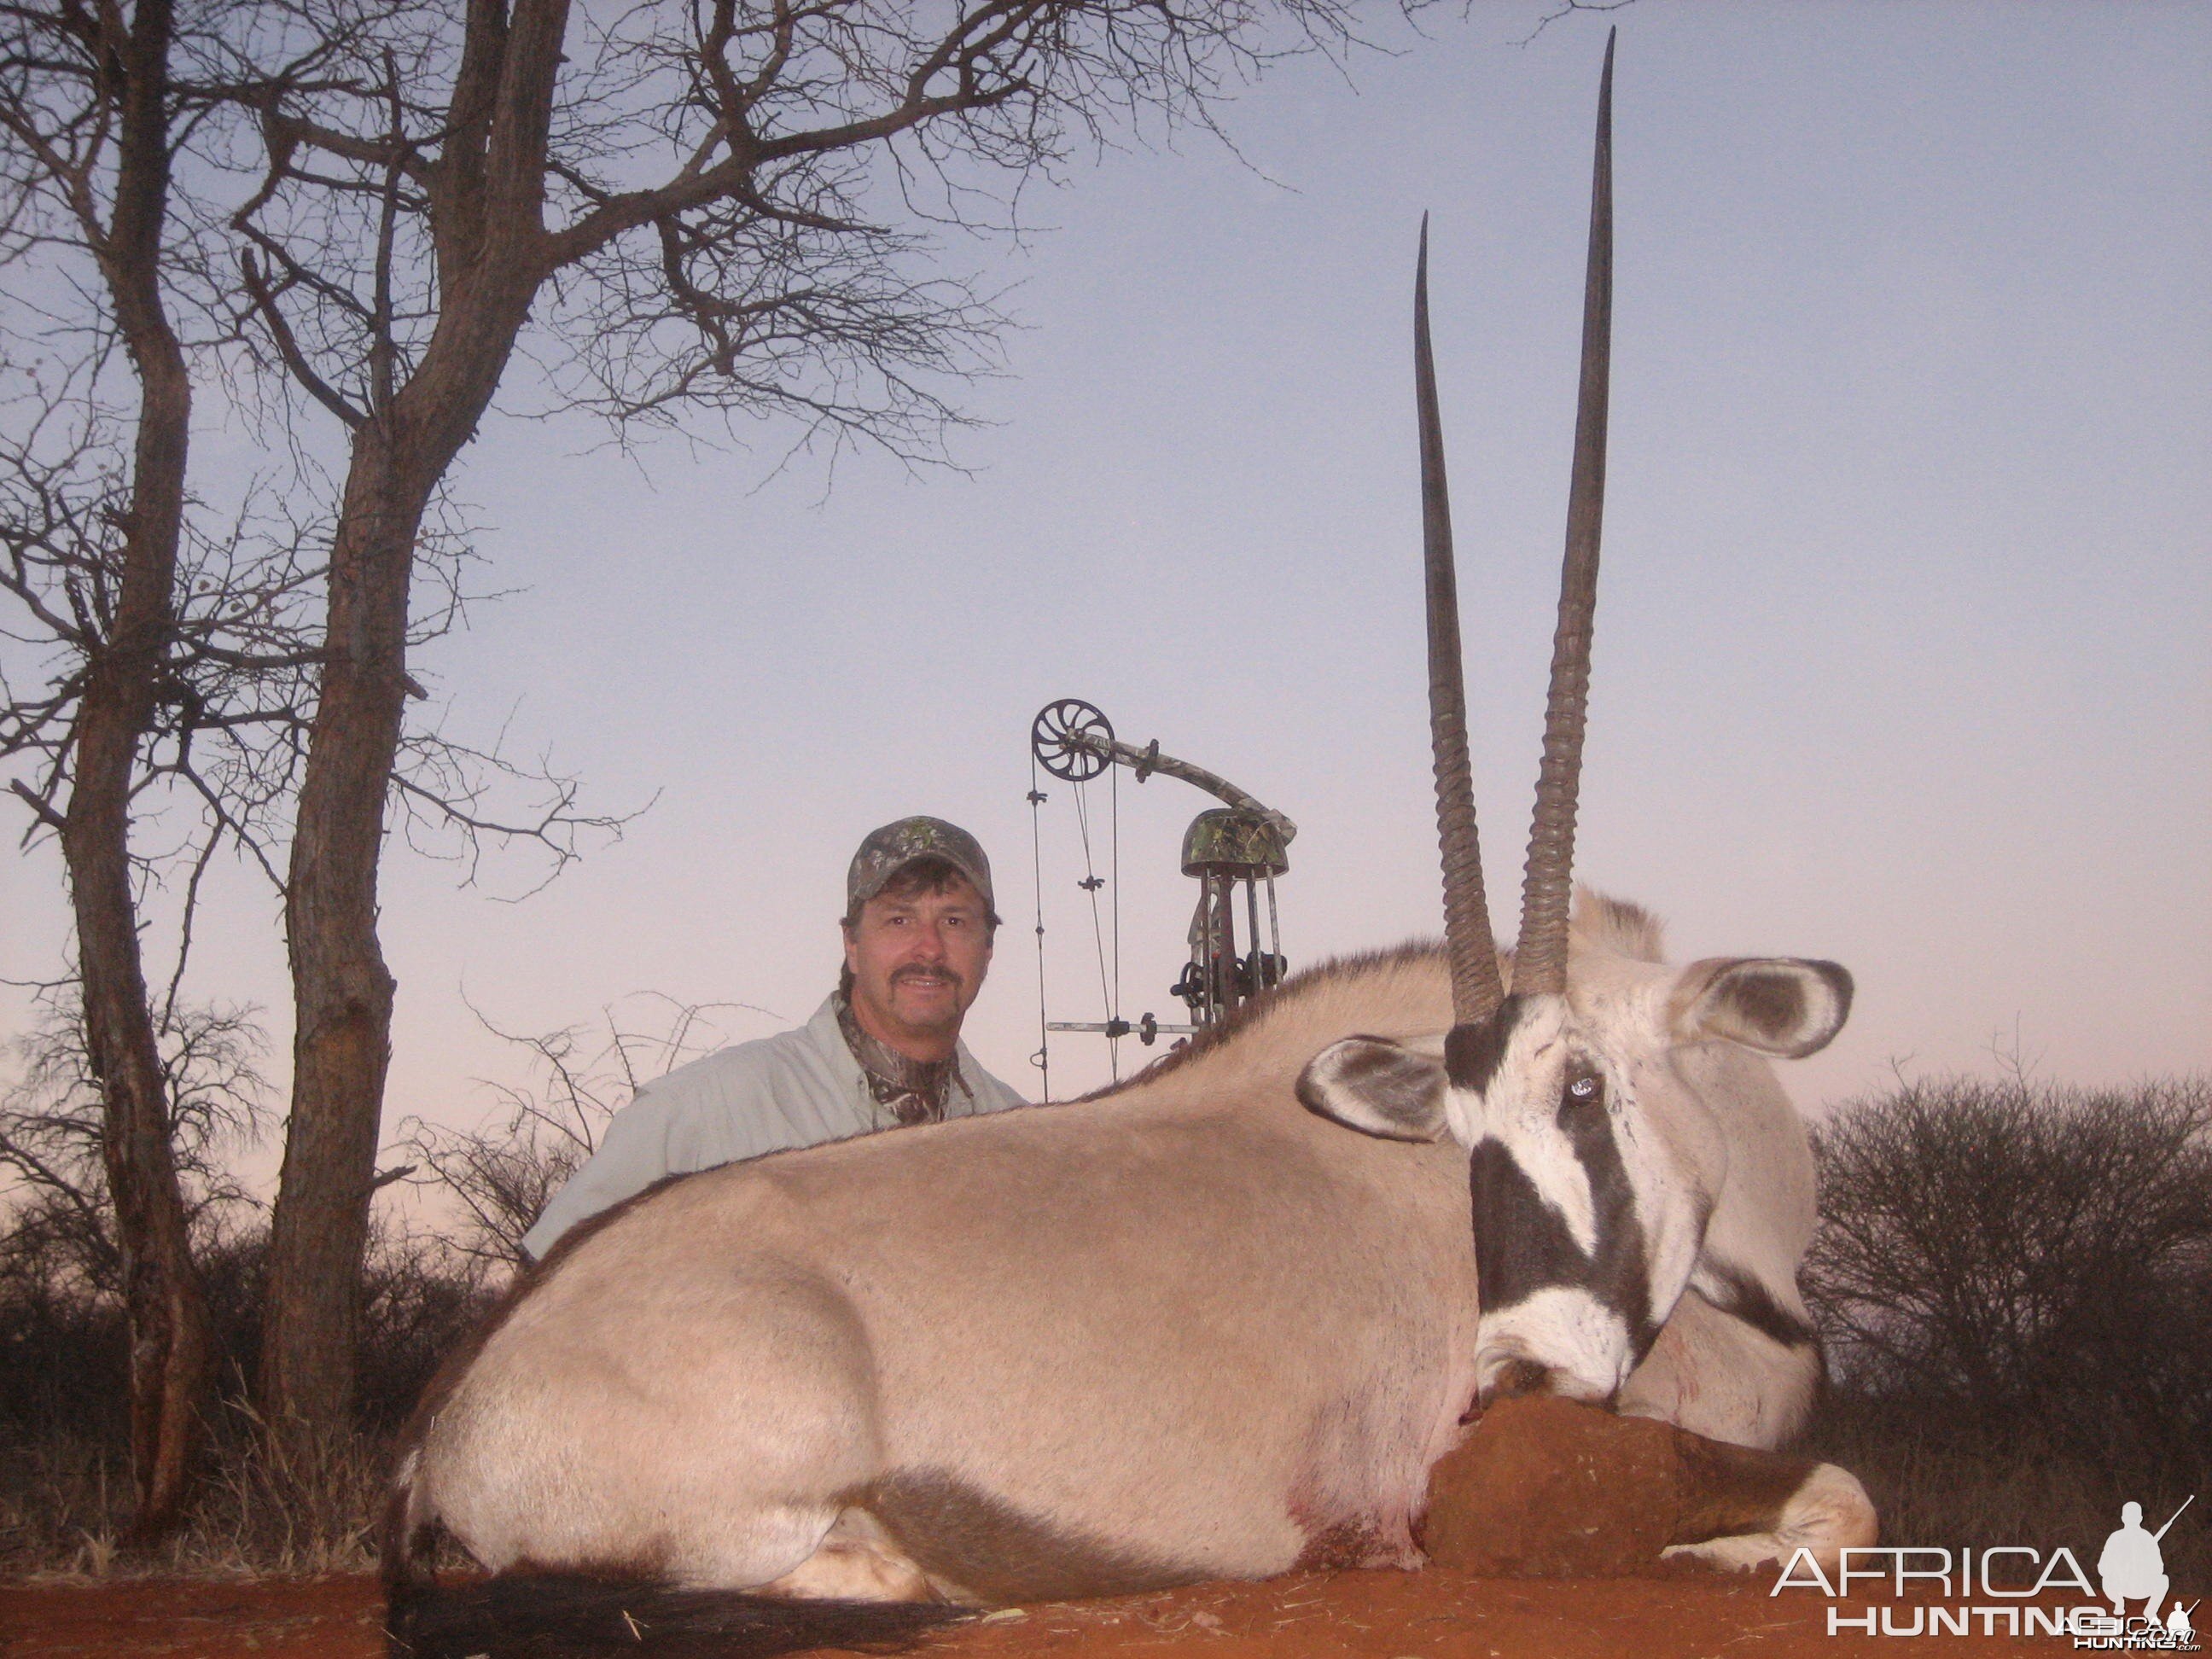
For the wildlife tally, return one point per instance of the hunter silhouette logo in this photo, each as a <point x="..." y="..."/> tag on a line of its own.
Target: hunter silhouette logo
<point x="2005" y="1580"/>
<point x="2133" y="1567"/>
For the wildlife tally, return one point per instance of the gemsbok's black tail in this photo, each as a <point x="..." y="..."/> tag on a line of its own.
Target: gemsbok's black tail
<point x="547" y="1616"/>
<point x="571" y="1616"/>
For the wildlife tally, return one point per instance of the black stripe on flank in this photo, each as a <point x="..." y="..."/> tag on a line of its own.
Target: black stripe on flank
<point x="1737" y="1294"/>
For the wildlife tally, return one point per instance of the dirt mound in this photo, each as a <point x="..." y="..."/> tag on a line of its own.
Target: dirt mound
<point x="1545" y="1489"/>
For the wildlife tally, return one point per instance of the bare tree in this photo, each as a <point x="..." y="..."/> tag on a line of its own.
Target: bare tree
<point x="94" y="112"/>
<point x="692" y="207"/>
<point x="52" y="1129"/>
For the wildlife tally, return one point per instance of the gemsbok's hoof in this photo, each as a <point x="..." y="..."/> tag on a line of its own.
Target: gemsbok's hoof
<point x="1828" y="1513"/>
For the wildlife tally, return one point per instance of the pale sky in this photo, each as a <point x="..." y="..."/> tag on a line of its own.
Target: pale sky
<point x="1901" y="648"/>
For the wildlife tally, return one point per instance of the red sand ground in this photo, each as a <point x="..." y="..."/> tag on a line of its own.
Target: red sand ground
<point x="1434" y="1614"/>
<point x="1571" y="1504"/>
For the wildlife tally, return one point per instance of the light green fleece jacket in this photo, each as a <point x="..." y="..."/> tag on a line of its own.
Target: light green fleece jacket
<point x="796" y="1089"/>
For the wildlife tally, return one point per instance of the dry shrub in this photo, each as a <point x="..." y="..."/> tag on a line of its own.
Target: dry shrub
<point x="2014" y="1280"/>
<point x="1934" y="1490"/>
<point x="65" y="1493"/>
<point x="64" y="1502"/>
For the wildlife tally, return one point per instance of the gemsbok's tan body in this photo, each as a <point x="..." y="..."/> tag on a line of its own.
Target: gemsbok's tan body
<point x="1187" y="1330"/>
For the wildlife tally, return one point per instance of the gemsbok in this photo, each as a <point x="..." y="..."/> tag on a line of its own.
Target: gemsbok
<point x="1187" y="1329"/>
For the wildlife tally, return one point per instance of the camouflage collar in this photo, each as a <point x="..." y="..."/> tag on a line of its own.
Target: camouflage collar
<point x="916" y="1090"/>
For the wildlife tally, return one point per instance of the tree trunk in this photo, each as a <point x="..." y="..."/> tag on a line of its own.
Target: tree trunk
<point x="341" y="990"/>
<point x="170" y="1345"/>
<point x="167" y="1313"/>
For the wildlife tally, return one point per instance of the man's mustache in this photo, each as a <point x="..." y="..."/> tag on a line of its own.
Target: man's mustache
<point x="921" y="971"/>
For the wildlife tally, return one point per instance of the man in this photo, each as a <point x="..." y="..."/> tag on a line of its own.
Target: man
<point x="884" y="1051"/>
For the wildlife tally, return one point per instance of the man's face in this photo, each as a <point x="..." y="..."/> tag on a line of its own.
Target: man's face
<point x="918" y="959"/>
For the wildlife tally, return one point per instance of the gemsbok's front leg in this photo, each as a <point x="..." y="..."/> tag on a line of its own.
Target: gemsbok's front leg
<point x="1739" y="1508"/>
<point x="1546" y="1487"/>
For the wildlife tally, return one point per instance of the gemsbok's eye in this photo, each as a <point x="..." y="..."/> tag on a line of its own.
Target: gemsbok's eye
<point x="1585" y="1088"/>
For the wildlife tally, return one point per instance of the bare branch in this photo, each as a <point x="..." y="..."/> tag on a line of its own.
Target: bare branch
<point x="288" y="344"/>
<point x="41" y="804"/>
<point x="504" y="1172"/>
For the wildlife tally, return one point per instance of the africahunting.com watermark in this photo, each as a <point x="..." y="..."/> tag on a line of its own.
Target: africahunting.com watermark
<point x="1993" y="1592"/>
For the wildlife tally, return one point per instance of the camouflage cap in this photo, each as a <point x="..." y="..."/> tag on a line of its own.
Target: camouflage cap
<point x="889" y="850"/>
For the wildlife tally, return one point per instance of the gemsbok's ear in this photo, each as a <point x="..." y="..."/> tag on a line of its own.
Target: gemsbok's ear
<point x="1787" y="1006"/>
<point x="1377" y="1087"/>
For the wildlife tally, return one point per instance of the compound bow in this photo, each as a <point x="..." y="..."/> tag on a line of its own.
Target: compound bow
<point x="1232" y="851"/>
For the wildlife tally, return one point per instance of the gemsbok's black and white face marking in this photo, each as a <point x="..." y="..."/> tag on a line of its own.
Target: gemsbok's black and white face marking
<point x="1594" y="1161"/>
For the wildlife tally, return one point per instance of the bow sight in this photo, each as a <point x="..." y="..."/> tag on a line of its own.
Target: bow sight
<point x="1232" y="851"/>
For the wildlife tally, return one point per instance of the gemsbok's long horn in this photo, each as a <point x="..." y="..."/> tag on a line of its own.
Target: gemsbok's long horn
<point x="1540" y="961"/>
<point x="1476" y="988"/>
